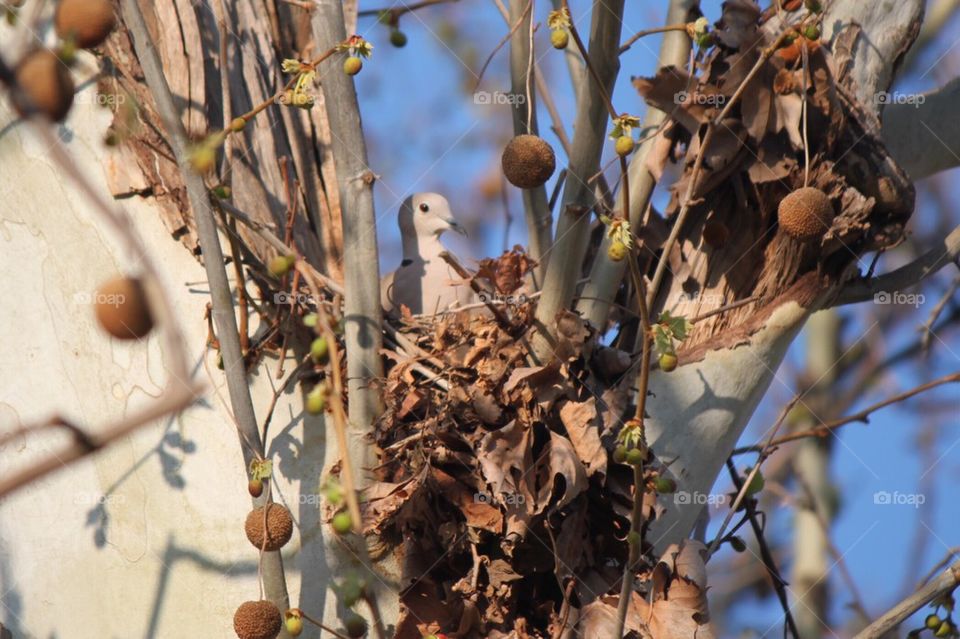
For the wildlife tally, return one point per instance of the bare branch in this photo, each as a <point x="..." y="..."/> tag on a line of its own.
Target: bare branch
<point x="589" y="135"/>
<point x="362" y="315"/>
<point x="943" y="584"/>
<point x="905" y="276"/>
<point x="223" y="315"/>
<point x="605" y="274"/>
<point x="536" y="211"/>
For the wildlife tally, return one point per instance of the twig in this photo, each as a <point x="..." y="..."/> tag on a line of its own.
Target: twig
<point x="905" y="276"/>
<point x="742" y="493"/>
<point x="396" y="12"/>
<point x="769" y="563"/>
<point x="943" y="584"/>
<point x="502" y="319"/>
<point x="645" y="32"/>
<point x="862" y="416"/>
<point x="927" y="328"/>
<point x="500" y="44"/>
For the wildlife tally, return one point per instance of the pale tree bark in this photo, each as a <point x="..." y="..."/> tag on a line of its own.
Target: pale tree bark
<point x="815" y="496"/>
<point x="590" y="127"/>
<point x="606" y="275"/>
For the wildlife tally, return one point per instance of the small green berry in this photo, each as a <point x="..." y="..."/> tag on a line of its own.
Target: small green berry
<point x="281" y="265"/>
<point x="320" y="350"/>
<point x="294" y="622"/>
<point x="238" y="125"/>
<point x="813" y="5"/>
<point x="738" y="544"/>
<point x="932" y="622"/>
<point x="255" y="487"/>
<point x="559" y="39"/>
<point x="945" y="630"/>
<point x="812" y="32"/>
<point x="202" y="158"/>
<point x="317" y="399"/>
<point x="633" y="537"/>
<point x="620" y="454"/>
<point x="342" y="523"/>
<point x="635" y="456"/>
<point x="350" y="592"/>
<point x="223" y="192"/>
<point x="398" y="38"/>
<point x="668" y="362"/>
<point x="624" y="145"/>
<point x="664" y="485"/>
<point x="352" y="65"/>
<point x="756" y="484"/>
<point x="355" y="626"/>
<point x="617" y="251"/>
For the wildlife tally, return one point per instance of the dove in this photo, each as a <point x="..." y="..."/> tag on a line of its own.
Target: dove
<point x="424" y="282"/>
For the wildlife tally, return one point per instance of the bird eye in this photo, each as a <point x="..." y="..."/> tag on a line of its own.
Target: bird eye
<point x="424" y="207"/>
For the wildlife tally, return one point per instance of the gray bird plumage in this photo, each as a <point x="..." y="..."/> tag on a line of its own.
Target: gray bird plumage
<point x="424" y="282"/>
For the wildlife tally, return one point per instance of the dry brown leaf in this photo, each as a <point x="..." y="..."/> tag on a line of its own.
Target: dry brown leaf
<point x="583" y="426"/>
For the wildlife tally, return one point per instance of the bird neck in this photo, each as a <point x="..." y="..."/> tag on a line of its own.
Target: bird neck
<point x="417" y="247"/>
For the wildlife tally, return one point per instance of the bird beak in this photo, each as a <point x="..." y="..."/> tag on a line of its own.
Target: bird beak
<point x="456" y="226"/>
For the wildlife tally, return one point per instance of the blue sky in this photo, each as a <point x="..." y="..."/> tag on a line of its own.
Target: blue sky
<point x="425" y="132"/>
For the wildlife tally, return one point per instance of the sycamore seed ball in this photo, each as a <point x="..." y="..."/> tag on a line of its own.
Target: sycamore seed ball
<point x="86" y="22"/>
<point x="617" y="251"/>
<point x="528" y="161"/>
<point x="257" y="620"/>
<point x="121" y="308"/>
<point x="805" y="214"/>
<point x="47" y="84"/>
<point x="279" y="527"/>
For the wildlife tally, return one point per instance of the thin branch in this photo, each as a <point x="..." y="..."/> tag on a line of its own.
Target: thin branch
<point x="396" y="12"/>
<point x="904" y="277"/>
<point x="946" y="582"/>
<point x="220" y="294"/>
<point x="645" y="32"/>
<point x="766" y="556"/>
<point x="862" y="416"/>
<point x="578" y="197"/>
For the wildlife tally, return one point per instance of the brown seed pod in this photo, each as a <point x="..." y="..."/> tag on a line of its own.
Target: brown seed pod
<point x="257" y="620"/>
<point x="528" y="161"/>
<point x="87" y="22"/>
<point x="122" y="309"/>
<point x="715" y="233"/>
<point x="805" y="214"/>
<point x="279" y="527"/>
<point x="46" y="81"/>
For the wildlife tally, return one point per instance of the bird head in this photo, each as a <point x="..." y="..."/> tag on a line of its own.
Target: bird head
<point x="427" y="214"/>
